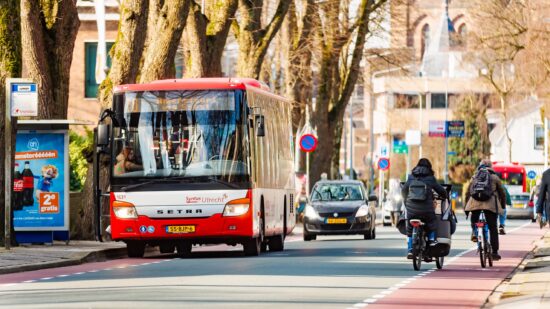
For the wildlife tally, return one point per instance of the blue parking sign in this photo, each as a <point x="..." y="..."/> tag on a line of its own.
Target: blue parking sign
<point x="532" y="175"/>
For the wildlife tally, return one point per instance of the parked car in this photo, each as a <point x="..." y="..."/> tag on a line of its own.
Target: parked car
<point x="522" y="206"/>
<point x="340" y="207"/>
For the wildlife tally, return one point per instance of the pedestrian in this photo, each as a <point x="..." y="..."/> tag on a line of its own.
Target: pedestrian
<point x="486" y="193"/>
<point x="502" y="218"/>
<point x="544" y="193"/>
<point x="419" y="200"/>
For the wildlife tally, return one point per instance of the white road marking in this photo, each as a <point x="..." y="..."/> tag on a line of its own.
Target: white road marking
<point x="29" y="281"/>
<point x="47" y="278"/>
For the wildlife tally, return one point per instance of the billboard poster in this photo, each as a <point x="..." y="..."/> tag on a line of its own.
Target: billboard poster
<point x="41" y="181"/>
<point x="455" y="128"/>
<point x="436" y="128"/>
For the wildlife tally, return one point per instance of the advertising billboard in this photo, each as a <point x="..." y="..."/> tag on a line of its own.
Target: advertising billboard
<point x="42" y="181"/>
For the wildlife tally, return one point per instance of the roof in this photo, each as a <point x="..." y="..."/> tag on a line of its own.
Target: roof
<point x="195" y="84"/>
<point x="499" y="166"/>
<point x="340" y="182"/>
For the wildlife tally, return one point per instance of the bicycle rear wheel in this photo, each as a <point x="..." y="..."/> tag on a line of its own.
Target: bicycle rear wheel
<point x="489" y="254"/>
<point x="439" y="262"/>
<point x="417" y="261"/>
<point x="481" y="247"/>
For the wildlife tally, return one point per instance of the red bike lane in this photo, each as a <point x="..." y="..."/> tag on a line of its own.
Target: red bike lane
<point x="462" y="283"/>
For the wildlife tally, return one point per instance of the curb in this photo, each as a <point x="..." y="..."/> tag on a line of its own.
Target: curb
<point x="76" y="259"/>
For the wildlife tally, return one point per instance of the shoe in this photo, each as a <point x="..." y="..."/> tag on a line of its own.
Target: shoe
<point x="501" y="230"/>
<point x="474" y="238"/>
<point x="409" y="256"/>
<point x="432" y="243"/>
<point x="496" y="257"/>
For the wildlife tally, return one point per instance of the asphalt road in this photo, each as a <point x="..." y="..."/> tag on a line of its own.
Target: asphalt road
<point x="332" y="272"/>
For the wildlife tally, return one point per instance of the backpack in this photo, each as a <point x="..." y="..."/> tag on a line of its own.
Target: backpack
<point x="418" y="191"/>
<point x="482" y="188"/>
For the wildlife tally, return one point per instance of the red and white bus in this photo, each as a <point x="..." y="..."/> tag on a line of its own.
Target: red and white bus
<point x="199" y="161"/>
<point x="512" y="175"/>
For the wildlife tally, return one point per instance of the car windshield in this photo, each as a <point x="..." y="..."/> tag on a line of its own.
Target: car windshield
<point x="180" y="133"/>
<point x="337" y="192"/>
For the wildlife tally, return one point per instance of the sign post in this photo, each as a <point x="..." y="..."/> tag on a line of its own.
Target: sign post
<point x="21" y="100"/>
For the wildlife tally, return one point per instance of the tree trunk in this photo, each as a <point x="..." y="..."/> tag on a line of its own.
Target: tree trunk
<point x="10" y="66"/>
<point x="164" y="38"/>
<point x="206" y="36"/>
<point x="48" y="32"/>
<point x="337" y="77"/>
<point x="253" y="39"/>
<point x="126" y="55"/>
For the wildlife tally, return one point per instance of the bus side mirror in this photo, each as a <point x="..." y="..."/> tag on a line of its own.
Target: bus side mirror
<point x="260" y="125"/>
<point x="102" y="135"/>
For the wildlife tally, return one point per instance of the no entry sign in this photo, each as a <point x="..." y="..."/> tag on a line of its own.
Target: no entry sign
<point x="384" y="164"/>
<point x="308" y="142"/>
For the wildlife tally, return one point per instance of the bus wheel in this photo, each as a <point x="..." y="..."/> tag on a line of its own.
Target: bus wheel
<point x="135" y="248"/>
<point x="277" y="243"/>
<point x="167" y="248"/>
<point x="184" y="248"/>
<point x="252" y="246"/>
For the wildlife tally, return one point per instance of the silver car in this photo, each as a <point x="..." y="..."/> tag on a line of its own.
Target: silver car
<point x="522" y="207"/>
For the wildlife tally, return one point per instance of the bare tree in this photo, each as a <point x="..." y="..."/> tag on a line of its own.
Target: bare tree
<point x="48" y="32"/>
<point x="510" y="37"/>
<point x="253" y="38"/>
<point x="206" y="35"/>
<point x="341" y="42"/>
<point x="10" y="66"/>
<point x="125" y="54"/>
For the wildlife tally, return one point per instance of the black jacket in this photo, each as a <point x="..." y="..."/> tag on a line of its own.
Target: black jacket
<point x="544" y="190"/>
<point x="425" y="175"/>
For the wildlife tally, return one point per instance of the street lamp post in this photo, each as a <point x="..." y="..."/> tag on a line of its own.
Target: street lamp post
<point x="351" y="139"/>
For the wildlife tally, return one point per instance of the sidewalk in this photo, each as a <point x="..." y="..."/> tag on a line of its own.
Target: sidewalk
<point x="33" y="257"/>
<point x="529" y="286"/>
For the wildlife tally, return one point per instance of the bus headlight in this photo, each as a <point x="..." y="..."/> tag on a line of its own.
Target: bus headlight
<point x="236" y="207"/>
<point x="362" y="211"/>
<point x="124" y="210"/>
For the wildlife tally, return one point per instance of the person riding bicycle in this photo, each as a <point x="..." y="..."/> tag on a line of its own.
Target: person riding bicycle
<point x="544" y="193"/>
<point x="419" y="200"/>
<point x="486" y="193"/>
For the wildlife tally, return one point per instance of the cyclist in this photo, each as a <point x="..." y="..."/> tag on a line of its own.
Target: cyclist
<point x="487" y="195"/>
<point x="419" y="200"/>
<point x="544" y="193"/>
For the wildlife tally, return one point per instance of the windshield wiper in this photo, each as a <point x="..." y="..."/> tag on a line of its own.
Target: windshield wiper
<point x="168" y="179"/>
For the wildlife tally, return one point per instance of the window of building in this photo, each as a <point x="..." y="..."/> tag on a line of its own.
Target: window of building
<point x="438" y="100"/>
<point x="425" y="39"/>
<point x="90" y="58"/>
<point x="406" y="101"/>
<point x="539" y="137"/>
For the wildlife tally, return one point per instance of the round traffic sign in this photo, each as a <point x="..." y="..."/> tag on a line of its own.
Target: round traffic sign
<point x="384" y="164"/>
<point x="308" y="142"/>
<point x="532" y="175"/>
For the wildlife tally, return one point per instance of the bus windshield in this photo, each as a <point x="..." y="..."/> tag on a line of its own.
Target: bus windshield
<point x="186" y="134"/>
<point x="512" y="179"/>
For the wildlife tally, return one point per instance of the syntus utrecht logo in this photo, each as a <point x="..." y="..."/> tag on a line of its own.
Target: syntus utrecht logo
<point x="33" y="144"/>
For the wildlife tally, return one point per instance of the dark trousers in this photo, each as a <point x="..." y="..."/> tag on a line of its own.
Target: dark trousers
<point x="492" y="220"/>
<point x="427" y="217"/>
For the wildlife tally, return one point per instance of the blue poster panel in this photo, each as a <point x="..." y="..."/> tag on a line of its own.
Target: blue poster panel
<point x="41" y="181"/>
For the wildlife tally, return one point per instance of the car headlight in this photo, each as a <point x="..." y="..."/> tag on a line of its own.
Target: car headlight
<point x="362" y="211"/>
<point x="236" y="207"/>
<point x="124" y="210"/>
<point x="310" y="212"/>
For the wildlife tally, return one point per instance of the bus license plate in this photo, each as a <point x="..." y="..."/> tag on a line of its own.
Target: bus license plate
<point x="337" y="220"/>
<point x="180" y="229"/>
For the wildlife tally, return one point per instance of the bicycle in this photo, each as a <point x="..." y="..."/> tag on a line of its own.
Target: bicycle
<point x="484" y="248"/>
<point x="420" y="250"/>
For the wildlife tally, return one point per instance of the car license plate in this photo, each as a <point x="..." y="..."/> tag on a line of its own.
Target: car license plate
<point x="518" y="205"/>
<point x="180" y="229"/>
<point x="337" y="220"/>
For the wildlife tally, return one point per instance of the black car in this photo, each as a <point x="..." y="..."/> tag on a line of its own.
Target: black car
<point x="340" y="207"/>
